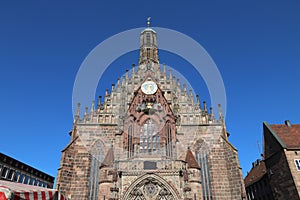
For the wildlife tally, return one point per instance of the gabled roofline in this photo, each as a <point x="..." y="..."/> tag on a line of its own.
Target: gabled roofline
<point x="64" y="149"/>
<point x="274" y="134"/>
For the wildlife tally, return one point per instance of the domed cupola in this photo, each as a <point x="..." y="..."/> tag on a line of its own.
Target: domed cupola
<point x="148" y="45"/>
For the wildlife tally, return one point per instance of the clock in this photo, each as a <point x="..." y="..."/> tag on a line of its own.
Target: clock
<point x="149" y="87"/>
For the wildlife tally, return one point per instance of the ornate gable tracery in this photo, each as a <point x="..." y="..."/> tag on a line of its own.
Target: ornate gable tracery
<point x="151" y="187"/>
<point x="149" y="125"/>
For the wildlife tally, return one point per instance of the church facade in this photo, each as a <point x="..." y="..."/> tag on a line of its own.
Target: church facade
<point x="149" y="139"/>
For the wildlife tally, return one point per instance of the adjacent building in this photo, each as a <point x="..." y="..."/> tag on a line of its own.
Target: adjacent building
<point x="257" y="182"/>
<point x="16" y="171"/>
<point x="282" y="158"/>
<point x="150" y="138"/>
<point x="279" y="172"/>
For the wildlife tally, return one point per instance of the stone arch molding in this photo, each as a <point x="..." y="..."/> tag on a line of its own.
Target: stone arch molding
<point x="150" y="187"/>
<point x="97" y="150"/>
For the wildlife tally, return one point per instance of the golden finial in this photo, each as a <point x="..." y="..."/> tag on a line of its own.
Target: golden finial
<point x="148" y="21"/>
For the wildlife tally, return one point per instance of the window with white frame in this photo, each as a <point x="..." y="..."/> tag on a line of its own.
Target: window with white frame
<point x="297" y="163"/>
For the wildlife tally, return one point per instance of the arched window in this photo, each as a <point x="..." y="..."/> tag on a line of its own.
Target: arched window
<point x="97" y="153"/>
<point x="203" y="161"/>
<point x="169" y="146"/>
<point x="149" y="138"/>
<point x="148" y="41"/>
<point x="130" y="144"/>
<point x="148" y="52"/>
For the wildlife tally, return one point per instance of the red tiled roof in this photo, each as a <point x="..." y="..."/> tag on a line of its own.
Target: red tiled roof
<point x="289" y="135"/>
<point x="190" y="159"/>
<point x="109" y="159"/>
<point x="256" y="173"/>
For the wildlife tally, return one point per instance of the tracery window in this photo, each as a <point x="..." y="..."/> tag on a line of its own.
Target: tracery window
<point x="202" y="159"/>
<point x="130" y="144"/>
<point x="169" y="147"/>
<point x="150" y="189"/>
<point x="97" y="153"/>
<point x="149" y="138"/>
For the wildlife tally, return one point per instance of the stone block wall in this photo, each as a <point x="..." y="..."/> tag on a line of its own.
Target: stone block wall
<point x="195" y="127"/>
<point x="280" y="177"/>
<point x="291" y="155"/>
<point x="73" y="174"/>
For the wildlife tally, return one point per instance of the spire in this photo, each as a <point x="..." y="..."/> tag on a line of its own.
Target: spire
<point x="86" y="111"/>
<point x="184" y="87"/>
<point x="170" y="74"/>
<point x="119" y="83"/>
<point x="77" y="115"/>
<point x="148" y="45"/>
<point x="133" y="72"/>
<point x="220" y="112"/>
<point x="204" y="105"/>
<point x="99" y="103"/>
<point x="164" y="66"/>
<point x="78" y="110"/>
<point x="190" y="159"/>
<point x="212" y="116"/>
<point x="198" y="101"/>
<point x="92" y="107"/>
<point x="112" y="87"/>
<point x="109" y="158"/>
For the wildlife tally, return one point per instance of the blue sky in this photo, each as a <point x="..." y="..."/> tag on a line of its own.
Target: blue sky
<point x="255" y="45"/>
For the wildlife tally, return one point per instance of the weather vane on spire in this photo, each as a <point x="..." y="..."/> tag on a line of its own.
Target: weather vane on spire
<point x="148" y="21"/>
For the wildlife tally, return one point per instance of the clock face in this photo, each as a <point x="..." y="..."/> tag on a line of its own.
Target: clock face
<point x="149" y="87"/>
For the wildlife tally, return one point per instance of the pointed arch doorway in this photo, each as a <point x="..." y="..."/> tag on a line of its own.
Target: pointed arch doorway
<point x="150" y="187"/>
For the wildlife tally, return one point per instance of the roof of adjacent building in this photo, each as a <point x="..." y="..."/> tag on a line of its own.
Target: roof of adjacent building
<point x="15" y="164"/>
<point x="288" y="135"/>
<point x="256" y="173"/>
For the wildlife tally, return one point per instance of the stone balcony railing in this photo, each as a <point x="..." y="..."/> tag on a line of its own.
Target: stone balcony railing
<point x="150" y="164"/>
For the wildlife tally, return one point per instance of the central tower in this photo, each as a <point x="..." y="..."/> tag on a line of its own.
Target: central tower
<point x="148" y="46"/>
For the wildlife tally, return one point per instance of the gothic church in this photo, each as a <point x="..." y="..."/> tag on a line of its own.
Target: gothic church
<point x="149" y="139"/>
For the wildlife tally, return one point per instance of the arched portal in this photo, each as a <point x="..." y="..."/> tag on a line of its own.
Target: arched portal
<point x="150" y="187"/>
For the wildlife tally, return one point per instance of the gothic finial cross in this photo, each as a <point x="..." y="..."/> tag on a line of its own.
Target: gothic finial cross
<point x="148" y="21"/>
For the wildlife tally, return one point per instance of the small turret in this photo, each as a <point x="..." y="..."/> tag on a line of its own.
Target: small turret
<point x="112" y="88"/>
<point x="170" y="74"/>
<point x="77" y="115"/>
<point x="148" y="45"/>
<point x="198" y="101"/>
<point x="133" y="72"/>
<point x="204" y="106"/>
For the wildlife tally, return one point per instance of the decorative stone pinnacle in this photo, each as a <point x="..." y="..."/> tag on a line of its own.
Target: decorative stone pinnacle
<point x="78" y="109"/>
<point x="204" y="104"/>
<point x="92" y="107"/>
<point x="99" y="102"/>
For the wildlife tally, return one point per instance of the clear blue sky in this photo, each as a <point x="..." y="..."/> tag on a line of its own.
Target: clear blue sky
<point x="255" y="45"/>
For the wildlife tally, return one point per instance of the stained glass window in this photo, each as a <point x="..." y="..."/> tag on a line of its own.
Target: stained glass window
<point x="97" y="154"/>
<point x="149" y="138"/>
<point x="169" y="147"/>
<point x="130" y="144"/>
<point x="202" y="159"/>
